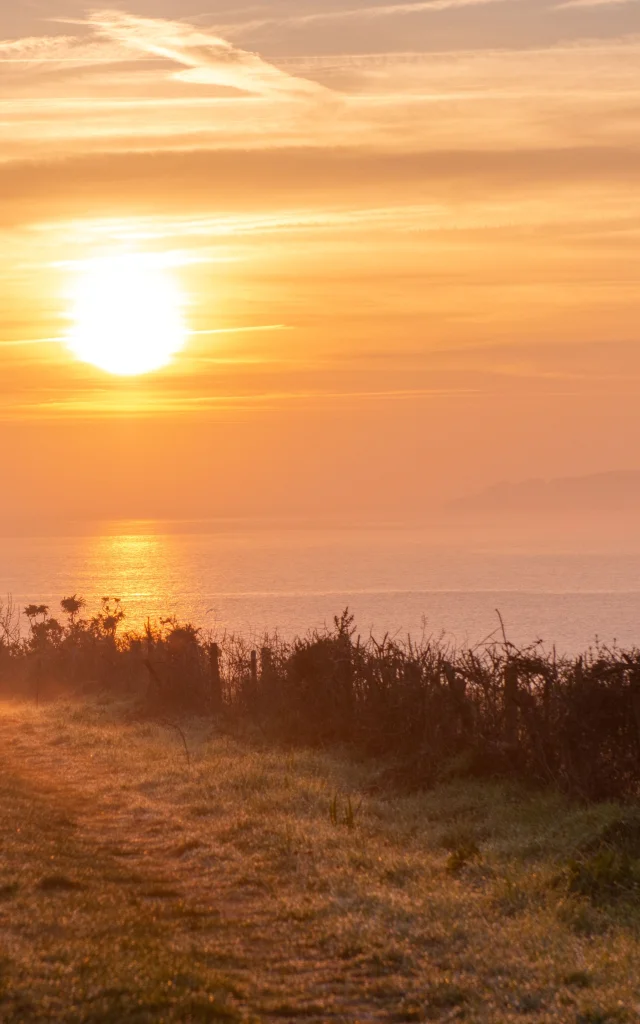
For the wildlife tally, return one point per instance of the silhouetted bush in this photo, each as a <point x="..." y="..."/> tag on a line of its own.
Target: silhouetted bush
<point x="431" y="712"/>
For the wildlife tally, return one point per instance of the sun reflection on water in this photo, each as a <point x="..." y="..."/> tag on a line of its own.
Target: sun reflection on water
<point x="252" y="580"/>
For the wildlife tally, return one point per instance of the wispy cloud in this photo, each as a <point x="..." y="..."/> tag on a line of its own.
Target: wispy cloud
<point x="61" y="50"/>
<point x="34" y="48"/>
<point x="74" y="92"/>
<point x="357" y="13"/>
<point x="141" y="402"/>
<point x="61" y="339"/>
<point x="198" y="91"/>
<point x="390" y="10"/>
<point x="592" y="3"/>
<point x="207" y="58"/>
<point x="182" y="53"/>
<point x="257" y="328"/>
<point x="30" y="341"/>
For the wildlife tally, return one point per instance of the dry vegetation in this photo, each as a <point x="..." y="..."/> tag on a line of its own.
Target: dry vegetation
<point x="252" y="884"/>
<point x="436" y="712"/>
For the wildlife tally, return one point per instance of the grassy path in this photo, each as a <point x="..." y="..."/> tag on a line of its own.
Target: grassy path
<point x="136" y="887"/>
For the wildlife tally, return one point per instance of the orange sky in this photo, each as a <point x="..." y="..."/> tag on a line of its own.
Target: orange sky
<point x="408" y="233"/>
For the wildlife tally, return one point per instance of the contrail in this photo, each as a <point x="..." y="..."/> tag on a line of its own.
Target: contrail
<point x="245" y="330"/>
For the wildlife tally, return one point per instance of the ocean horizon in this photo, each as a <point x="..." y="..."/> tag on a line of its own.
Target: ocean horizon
<point x="249" y="579"/>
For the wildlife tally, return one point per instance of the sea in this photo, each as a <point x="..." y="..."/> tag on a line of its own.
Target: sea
<point x="290" y="578"/>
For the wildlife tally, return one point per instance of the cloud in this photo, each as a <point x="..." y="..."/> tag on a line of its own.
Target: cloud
<point x="583" y="4"/>
<point x="592" y="3"/>
<point x="358" y="13"/>
<point x="236" y="182"/>
<point x="34" y="49"/>
<point x="207" y="58"/>
<point x="195" y="90"/>
<point x="390" y="10"/>
<point x="63" y="50"/>
<point x="127" y="82"/>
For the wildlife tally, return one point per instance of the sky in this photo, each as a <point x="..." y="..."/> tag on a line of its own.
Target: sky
<point x="406" y="238"/>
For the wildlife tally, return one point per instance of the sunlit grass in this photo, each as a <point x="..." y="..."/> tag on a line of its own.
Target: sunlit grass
<point x="137" y="888"/>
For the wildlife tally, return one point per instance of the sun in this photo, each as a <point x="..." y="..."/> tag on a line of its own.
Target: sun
<point x="127" y="315"/>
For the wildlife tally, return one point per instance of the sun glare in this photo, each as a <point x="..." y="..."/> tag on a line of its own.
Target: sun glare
<point x="127" y="315"/>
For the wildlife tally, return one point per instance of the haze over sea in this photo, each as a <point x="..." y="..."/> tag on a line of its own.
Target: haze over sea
<point x="250" y="578"/>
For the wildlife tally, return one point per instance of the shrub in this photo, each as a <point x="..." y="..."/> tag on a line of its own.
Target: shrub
<point x="430" y="711"/>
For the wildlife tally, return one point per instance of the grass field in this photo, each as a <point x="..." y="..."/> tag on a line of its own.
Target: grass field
<point x="248" y="884"/>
